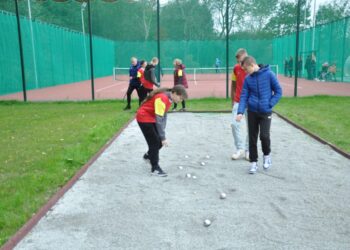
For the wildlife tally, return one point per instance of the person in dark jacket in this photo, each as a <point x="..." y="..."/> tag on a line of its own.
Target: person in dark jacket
<point x="261" y="92"/>
<point x="300" y="67"/>
<point x="150" y="79"/>
<point x="308" y="67"/>
<point x="313" y="66"/>
<point x="134" y="83"/>
<point x="180" y="79"/>
<point x="285" y="66"/>
<point x="290" y="66"/>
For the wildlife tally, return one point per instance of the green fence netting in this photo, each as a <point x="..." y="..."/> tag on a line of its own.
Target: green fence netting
<point x="61" y="55"/>
<point x="328" y="43"/>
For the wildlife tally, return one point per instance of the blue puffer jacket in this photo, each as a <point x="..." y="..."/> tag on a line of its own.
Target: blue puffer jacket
<point x="133" y="74"/>
<point x="261" y="92"/>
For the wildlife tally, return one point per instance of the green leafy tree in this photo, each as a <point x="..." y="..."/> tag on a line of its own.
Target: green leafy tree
<point x="186" y="20"/>
<point x="332" y="11"/>
<point x="284" y="18"/>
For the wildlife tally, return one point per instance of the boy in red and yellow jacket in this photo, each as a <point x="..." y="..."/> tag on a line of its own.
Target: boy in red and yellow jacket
<point x="141" y="76"/>
<point x="152" y="116"/>
<point x="238" y="77"/>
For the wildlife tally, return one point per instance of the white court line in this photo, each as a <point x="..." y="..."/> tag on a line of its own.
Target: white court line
<point x="110" y="86"/>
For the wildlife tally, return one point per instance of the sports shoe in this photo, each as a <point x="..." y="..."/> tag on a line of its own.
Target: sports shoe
<point x="127" y="107"/>
<point x="182" y="110"/>
<point x="247" y="156"/>
<point x="174" y="110"/>
<point x="267" y="162"/>
<point x="253" y="168"/>
<point x="159" y="172"/>
<point x="146" y="157"/>
<point x="238" y="154"/>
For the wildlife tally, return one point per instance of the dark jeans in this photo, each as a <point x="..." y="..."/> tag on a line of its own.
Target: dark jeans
<point x="183" y="104"/>
<point x="256" y="122"/>
<point x="143" y="93"/>
<point x="290" y="73"/>
<point x="153" y="140"/>
<point x="129" y="93"/>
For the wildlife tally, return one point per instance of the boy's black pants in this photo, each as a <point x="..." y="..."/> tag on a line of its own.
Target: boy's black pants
<point x="153" y="140"/>
<point x="256" y="122"/>
<point x="143" y="93"/>
<point x="129" y="93"/>
<point x="183" y="104"/>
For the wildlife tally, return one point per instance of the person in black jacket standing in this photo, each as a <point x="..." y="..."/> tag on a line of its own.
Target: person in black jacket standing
<point x="150" y="79"/>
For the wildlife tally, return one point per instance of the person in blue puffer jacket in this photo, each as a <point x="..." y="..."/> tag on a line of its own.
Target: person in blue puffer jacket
<point x="261" y="92"/>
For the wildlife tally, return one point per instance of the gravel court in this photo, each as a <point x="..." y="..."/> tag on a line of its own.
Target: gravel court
<point x="300" y="203"/>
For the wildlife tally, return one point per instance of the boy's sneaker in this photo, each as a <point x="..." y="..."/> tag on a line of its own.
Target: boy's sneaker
<point x="182" y="110"/>
<point x="247" y="156"/>
<point x="267" y="162"/>
<point x="146" y="157"/>
<point x="253" y="168"/>
<point x="238" y="154"/>
<point x="159" y="172"/>
<point x="127" y="107"/>
<point x="174" y="110"/>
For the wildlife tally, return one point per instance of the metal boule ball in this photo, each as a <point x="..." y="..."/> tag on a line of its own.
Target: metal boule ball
<point x="207" y="223"/>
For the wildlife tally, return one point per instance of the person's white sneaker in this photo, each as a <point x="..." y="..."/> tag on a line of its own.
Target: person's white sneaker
<point x="247" y="155"/>
<point x="238" y="154"/>
<point x="267" y="162"/>
<point x="253" y="168"/>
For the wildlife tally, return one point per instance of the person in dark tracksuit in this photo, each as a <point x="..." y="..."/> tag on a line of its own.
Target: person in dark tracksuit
<point x="290" y="66"/>
<point x="261" y="92"/>
<point x="152" y="117"/>
<point x="300" y="67"/>
<point x="134" y="83"/>
<point x="150" y="79"/>
<point x="180" y="79"/>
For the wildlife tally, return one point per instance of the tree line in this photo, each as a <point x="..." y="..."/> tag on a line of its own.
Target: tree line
<point x="181" y="19"/>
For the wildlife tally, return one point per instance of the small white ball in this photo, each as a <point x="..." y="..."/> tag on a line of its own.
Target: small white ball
<point x="194" y="177"/>
<point x="186" y="156"/>
<point x="207" y="223"/>
<point x="188" y="175"/>
<point x="180" y="167"/>
<point x="203" y="163"/>
<point x="208" y="157"/>
<point x="222" y="196"/>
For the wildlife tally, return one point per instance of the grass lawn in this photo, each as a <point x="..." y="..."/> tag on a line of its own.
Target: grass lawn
<point x="42" y="146"/>
<point x="325" y="116"/>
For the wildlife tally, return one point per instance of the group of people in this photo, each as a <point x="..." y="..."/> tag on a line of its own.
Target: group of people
<point x="288" y="64"/>
<point x="255" y="91"/>
<point x="142" y="78"/>
<point x="327" y="72"/>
